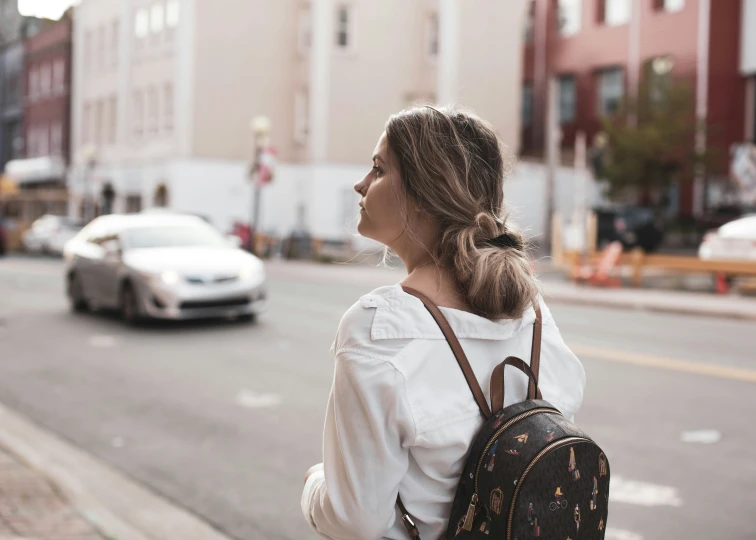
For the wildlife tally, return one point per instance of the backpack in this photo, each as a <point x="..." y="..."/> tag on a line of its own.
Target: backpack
<point x="530" y="472"/>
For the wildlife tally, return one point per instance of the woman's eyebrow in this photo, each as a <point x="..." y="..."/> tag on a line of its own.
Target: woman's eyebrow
<point x="377" y="158"/>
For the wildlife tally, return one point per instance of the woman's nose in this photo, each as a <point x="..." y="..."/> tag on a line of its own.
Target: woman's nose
<point x="359" y="187"/>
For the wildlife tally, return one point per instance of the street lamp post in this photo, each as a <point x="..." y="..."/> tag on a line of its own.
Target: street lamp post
<point x="260" y="127"/>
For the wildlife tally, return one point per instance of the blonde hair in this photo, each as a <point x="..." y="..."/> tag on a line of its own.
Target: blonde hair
<point x="452" y="165"/>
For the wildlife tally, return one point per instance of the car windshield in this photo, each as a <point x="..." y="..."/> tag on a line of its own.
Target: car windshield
<point x="172" y="236"/>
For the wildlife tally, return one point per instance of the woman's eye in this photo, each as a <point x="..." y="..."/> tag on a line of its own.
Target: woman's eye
<point x="376" y="170"/>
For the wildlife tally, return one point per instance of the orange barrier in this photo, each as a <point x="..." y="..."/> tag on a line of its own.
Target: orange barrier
<point x="639" y="261"/>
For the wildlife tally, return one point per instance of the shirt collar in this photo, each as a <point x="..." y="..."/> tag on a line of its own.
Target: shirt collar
<point x="399" y="315"/>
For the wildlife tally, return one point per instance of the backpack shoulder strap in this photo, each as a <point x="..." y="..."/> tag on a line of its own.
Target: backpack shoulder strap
<point x="456" y="347"/>
<point x="535" y="354"/>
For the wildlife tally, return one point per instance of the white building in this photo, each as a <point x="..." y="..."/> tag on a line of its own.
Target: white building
<point x="164" y="91"/>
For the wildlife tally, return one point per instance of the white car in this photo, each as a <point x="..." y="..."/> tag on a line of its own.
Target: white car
<point x="734" y="241"/>
<point x="49" y="234"/>
<point x="162" y="267"/>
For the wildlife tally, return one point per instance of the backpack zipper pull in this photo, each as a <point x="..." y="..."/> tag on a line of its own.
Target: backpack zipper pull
<point x="468" y="524"/>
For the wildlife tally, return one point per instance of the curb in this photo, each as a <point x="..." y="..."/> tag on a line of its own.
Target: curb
<point x="706" y="310"/>
<point x="118" y="506"/>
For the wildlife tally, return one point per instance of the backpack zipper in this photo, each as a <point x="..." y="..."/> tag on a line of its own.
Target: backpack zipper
<point x="474" y="501"/>
<point x="552" y="446"/>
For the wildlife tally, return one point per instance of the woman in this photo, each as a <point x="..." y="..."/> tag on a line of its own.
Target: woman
<point x="401" y="417"/>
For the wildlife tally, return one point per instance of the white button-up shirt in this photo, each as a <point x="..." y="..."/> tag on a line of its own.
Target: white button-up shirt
<point x="401" y="417"/>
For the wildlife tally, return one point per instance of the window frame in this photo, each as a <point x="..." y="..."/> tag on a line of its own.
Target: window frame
<point x="351" y="33"/>
<point x="601" y="74"/>
<point x="560" y="98"/>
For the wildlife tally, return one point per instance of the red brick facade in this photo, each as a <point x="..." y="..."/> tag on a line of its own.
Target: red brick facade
<point x="48" y="91"/>
<point x="598" y="46"/>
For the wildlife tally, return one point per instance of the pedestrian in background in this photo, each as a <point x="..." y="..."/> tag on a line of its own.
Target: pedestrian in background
<point x="400" y="417"/>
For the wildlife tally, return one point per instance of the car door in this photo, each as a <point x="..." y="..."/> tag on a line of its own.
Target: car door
<point x="88" y="261"/>
<point x="109" y="271"/>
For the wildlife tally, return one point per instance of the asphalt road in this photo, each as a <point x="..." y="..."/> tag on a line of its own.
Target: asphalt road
<point x="224" y="418"/>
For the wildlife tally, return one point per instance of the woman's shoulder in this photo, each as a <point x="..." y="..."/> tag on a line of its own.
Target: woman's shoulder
<point x="355" y="332"/>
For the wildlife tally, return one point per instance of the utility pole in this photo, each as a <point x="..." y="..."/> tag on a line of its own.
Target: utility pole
<point x="553" y="143"/>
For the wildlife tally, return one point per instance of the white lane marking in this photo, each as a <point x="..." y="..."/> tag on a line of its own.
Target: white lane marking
<point x="102" y="342"/>
<point x="619" y="534"/>
<point x="643" y="493"/>
<point x="253" y="400"/>
<point x="702" y="436"/>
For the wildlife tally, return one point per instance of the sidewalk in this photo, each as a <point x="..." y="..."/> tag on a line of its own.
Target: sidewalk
<point x="555" y="287"/>
<point x="32" y="508"/>
<point x="686" y="303"/>
<point x="49" y="498"/>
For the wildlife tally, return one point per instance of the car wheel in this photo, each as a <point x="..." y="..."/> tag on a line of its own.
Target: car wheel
<point x="129" y="305"/>
<point x="76" y="295"/>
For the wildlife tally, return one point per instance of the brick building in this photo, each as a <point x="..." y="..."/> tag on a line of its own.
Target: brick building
<point x="47" y="72"/>
<point x="598" y="50"/>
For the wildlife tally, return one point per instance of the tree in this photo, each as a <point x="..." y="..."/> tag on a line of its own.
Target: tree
<point x="657" y="151"/>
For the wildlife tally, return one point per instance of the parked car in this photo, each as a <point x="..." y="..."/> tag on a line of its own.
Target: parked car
<point x="49" y="234"/>
<point x="733" y="241"/>
<point x="633" y="226"/>
<point x="162" y="266"/>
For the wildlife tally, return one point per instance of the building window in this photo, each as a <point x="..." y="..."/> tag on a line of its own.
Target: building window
<point x="33" y="84"/>
<point x="670" y="5"/>
<point x="112" y="119"/>
<point x="530" y="22"/>
<point x="304" y="31"/>
<point x="527" y="105"/>
<point x="114" y="39"/>
<point x="86" y="124"/>
<point x="154" y="111"/>
<point x="659" y="73"/>
<point x="157" y="18"/>
<point x="137" y="116"/>
<point x="567" y="99"/>
<point x="133" y="204"/>
<point x="43" y="141"/>
<point x="611" y="90"/>
<point x="569" y="13"/>
<point x="142" y="24"/>
<point x="301" y="117"/>
<point x="168" y="108"/>
<point x="344" y="27"/>
<point x="172" y="13"/>
<point x="99" y="131"/>
<point x="617" y="12"/>
<point x="56" y="139"/>
<point x="431" y="36"/>
<point x="59" y="76"/>
<point x="101" y="49"/>
<point x="88" y="51"/>
<point x="45" y="81"/>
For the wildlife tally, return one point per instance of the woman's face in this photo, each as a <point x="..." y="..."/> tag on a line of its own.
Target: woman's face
<point x="382" y="201"/>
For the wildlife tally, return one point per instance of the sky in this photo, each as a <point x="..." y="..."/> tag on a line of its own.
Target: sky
<point x="49" y="9"/>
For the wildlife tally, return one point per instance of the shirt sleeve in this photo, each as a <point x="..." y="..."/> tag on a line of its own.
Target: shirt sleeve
<point x="368" y="430"/>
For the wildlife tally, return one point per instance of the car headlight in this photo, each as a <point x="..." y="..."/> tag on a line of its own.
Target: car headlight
<point x="170" y="277"/>
<point x="250" y="273"/>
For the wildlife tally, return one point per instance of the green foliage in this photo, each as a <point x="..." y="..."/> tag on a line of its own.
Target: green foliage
<point x="658" y="150"/>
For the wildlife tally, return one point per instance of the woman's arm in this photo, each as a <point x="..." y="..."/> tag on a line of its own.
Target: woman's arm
<point x="367" y="432"/>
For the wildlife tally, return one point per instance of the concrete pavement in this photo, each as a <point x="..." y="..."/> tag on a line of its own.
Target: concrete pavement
<point x="222" y="419"/>
<point x="33" y="508"/>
